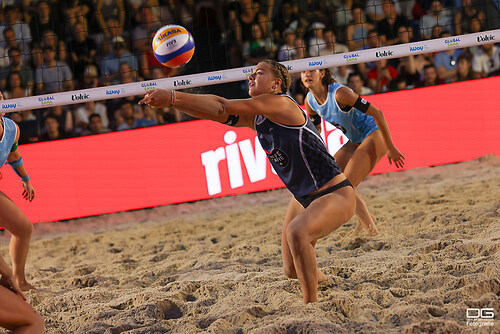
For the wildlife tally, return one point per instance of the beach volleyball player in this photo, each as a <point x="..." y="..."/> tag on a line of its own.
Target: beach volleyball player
<point x="323" y="199"/>
<point x="11" y="217"/>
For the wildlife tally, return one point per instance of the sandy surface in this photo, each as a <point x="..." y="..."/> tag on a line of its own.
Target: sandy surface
<point x="215" y="266"/>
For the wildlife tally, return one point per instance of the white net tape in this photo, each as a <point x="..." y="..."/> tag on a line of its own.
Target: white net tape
<point x="241" y="73"/>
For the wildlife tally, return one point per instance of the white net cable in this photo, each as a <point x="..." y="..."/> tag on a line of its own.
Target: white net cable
<point x="241" y="73"/>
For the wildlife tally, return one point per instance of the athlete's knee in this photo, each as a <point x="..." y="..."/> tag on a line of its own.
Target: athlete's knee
<point x="296" y="235"/>
<point x="24" y="229"/>
<point x="38" y="324"/>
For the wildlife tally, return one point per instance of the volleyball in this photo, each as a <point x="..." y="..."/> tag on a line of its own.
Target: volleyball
<point x="173" y="45"/>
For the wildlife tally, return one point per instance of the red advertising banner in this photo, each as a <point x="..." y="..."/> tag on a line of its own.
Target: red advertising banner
<point x="201" y="159"/>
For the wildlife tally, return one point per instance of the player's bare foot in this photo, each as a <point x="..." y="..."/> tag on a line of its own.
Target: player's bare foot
<point x="370" y="228"/>
<point x="321" y="277"/>
<point x="25" y="286"/>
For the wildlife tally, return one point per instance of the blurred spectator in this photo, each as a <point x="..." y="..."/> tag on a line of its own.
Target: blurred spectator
<point x="287" y="51"/>
<point x="76" y="11"/>
<point x="144" y="116"/>
<point x="106" y="9"/>
<point x="83" y="50"/>
<point x="375" y="12"/>
<point x="355" y="82"/>
<point x="90" y="78"/>
<point x="315" y="43"/>
<point x="82" y="114"/>
<point x="111" y="63"/>
<point x="16" y="65"/>
<point x="284" y="19"/>
<point x="45" y="19"/>
<point x="380" y="76"/>
<point x="64" y="117"/>
<point x="373" y="41"/>
<point x="397" y="84"/>
<point x="464" y="67"/>
<point x="405" y="35"/>
<point x="330" y="45"/>
<point x="22" y="30"/>
<point x="141" y="34"/>
<point x="125" y="74"/>
<point x="430" y="76"/>
<point x="124" y="116"/>
<point x="409" y="68"/>
<point x="445" y="63"/>
<point x="11" y="42"/>
<point x="389" y="25"/>
<point x="15" y="87"/>
<point x="243" y="14"/>
<point x="486" y="60"/>
<point x="53" y="76"/>
<point x="95" y="126"/>
<point x="465" y="15"/>
<point x="437" y="15"/>
<point x="50" y="40"/>
<point x="259" y="47"/>
<point x="357" y="31"/>
<point x="51" y="129"/>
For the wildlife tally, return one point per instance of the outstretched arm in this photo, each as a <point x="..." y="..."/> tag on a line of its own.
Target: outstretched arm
<point x="213" y="107"/>
<point x="346" y="96"/>
<point x="16" y="162"/>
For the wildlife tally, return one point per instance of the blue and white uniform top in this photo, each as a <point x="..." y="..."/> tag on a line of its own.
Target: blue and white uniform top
<point x="297" y="153"/>
<point x="355" y="124"/>
<point x="8" y="139"/>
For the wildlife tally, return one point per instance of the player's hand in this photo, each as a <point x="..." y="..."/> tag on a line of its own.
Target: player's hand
<point x="158" y="98"/>
<point x="29" y="191"/>
<point x="395" y="156"/>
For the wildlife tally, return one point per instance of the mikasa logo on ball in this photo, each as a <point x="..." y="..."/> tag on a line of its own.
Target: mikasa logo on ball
<point x="167" y="33"/>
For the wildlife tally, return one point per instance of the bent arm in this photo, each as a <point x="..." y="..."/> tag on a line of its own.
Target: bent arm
<point x="313" y="115"/>
<point x="345" y="96"/>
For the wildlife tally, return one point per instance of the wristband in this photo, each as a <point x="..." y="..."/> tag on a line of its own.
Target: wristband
<point x="25" y="178"/>
<point x="16" y="164"/>
<point x="172" y="93"/>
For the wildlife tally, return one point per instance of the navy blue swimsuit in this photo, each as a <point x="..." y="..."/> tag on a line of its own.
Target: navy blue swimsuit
<point x="297" y="153"/>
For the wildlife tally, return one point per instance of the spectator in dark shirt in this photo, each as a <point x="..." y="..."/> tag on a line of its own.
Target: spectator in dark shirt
<point x="83" y="50"/>
<point x="51" y="127"/>
<point x="389" y="25"/>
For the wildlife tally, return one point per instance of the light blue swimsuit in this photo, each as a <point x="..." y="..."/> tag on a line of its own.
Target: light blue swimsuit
<point x="355" y="124"/>
<point x="7" y="140"/>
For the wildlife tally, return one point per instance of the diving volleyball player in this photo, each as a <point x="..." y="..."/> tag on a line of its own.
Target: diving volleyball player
<point x="323" y="198"/>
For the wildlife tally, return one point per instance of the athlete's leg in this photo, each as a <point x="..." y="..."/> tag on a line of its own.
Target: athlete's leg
<point x="322" y="217"/>
<point x="343" y="157"/>
<point x="17" y="315"/>
<point x="13" y="220"/>
<point x="362" y="162"/>
<point x="294" y="209"/>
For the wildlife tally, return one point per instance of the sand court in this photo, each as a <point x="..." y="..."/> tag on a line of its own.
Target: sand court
<point x="215" y="266"/>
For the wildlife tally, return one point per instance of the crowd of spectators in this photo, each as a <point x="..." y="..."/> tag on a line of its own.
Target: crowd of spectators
<point x="59" y="45"/>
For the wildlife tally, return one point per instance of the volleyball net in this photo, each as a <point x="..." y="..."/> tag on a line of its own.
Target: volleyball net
<point x="242" y="73"/>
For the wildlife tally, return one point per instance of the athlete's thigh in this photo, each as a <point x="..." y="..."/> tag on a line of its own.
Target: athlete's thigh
<point x="14" y="311"/>
<point x="344" y="154"/>
<point x="326" y="214"/>
<point x="11" y="217"/>
<point x="368" y="153"/>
